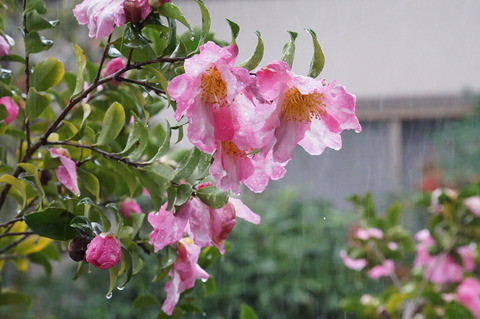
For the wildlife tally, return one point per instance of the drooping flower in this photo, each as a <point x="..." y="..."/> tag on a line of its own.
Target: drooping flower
<point x="468" y="294"/>
<point x="355" y="264"/>
<point x="130" y="206"/>
<point x="113" y="66"/>
<point x="67" y="170"/>
<point x="102" y="16"/>
<point x="12" y="108"/>
<point x="205" y="225"/>
<point x="384" y="269"/>
<point x="4" y="46"/>
<point x="185" y="270"/>
<point x="312" y="112"/>
<point x="473" y="204"/>
<point x="206" y="93"/>
<point x="104" y="251"/>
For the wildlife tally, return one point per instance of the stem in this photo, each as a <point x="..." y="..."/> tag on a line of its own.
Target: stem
<point x="17" y="234"/>
<point x="14" y="243"/>
<point x="141" y="83"/>
<point x="102" y="60"/>
<point x="393" y="276"/>
<point x="101" y="152"/>
<point x="13" y="221"/>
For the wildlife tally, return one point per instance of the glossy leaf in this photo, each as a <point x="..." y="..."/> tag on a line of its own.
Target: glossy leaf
<point x="289" y="49"/>
<point x="36" y="22"/>
<point x="254" y="60"/>
<point x="204" y="165"/>
<point x="163" y="149"/>
<point x="206" y="21"/>
<point x="32" y="171"/>
<point x="112" y="124"/>
<point x="113" y="272"/>
<point x="36" y="103"/>
<point x="170" y="10"/>
<point x="235" y="30"/>
<point x="36" y="43"/>
<point x="318" y="60"/>
<point x="52" y="223"/>
<point x="46" y="74"/>
<point x="3" y="112"/>
<point x="90" y="182"/>
<point x="188" y="165"/>
<point x="212" y="196"/>
<point x="38" y="5"/>
<point x="18" y="190"/>
<point x="247" y="312"/>
<point x="184" y="191"/>
<point x="140" y="132"/>
<point x="81" y="63"/>
<point x="81" y="130"/>
<point x="133" y="38"/>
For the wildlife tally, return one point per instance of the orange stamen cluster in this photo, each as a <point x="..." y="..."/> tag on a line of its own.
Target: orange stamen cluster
<point x="214" y="88"/>
<point x="300" y="107"/>
<point x="231" y="149"/>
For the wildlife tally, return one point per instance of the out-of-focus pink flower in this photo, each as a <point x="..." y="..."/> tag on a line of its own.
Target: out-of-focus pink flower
<point x="312" y="112"/>
<point x="473" y="204"/>
<point x="435" y="206"/>
<point x="468" y="294"/>
<point x="102" y="16"/>
<point x="104" y="251"/>
<point x="67" y="170"/>
<point x="366" y="234"/>
<point x="130" y="206"/>
<point x="185" y="270"/>
<point x="206" y="226"/>
<point x="467" y="255"/>
<point x="208" y="95"/>
<point x="113" y="66"/>
<point x="355" y="264"/>
<point x="12" y="108"/>
<point x="393" y="246"/>
<point x="382" y="270"/>
<point x="4" y="46"/>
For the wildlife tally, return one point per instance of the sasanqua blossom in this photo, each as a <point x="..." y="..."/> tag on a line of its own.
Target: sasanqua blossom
<point x="468" y="294"/>
<point x="312" y="113"/>
<point x="4" y="46"/>
<point x="12" y="108"/>
<point x="104" y="251"/>
<point x="130" y="206"/>
<point x="103" y="16"/>
<point x="67" y="170"/>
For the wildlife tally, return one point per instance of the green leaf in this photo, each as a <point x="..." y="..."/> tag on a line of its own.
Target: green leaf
<point x="18" y="190"/>
<point x="318" y="60"/>
<point x="171" y="11"/>
<point x="145" y="301"/>
<point x="90" y="182"/>
<point x="393" y="214"/>
<point x="112" y="124"/>
<point x="163" y="149"/>
<point x="155" y="179"/>
<point x="184" y="191"/>
<point x="140" y="133"/>
<point x="133" y="38"/>
<point x="52" y="223"/>
<point x="38" y="5"/>
<point x="14" y="298"/>
<point x="3" y="112"/>
<point x="81" y="63"/>
<point x="36" y="22"/>
<point x="247" y="312"/>
<point x="212" y="196"/>
<point x="81" y="130"/>
<point x="188" y="164"/>
<point x="203" y="165"/>
<point x="113" y="272"/>
<point x="254" y="60"/>
<point x="35" y="43"/>
<point x="46" y="74"/>
<point x="210" y="286"/>
<point x="235" y="30"/>
<point x="289" y="49"/>
<point x="32" y="171"/>
<point x="127" y="260"/>
<point x="205" y="22"/>
<point x="36" y="103"/>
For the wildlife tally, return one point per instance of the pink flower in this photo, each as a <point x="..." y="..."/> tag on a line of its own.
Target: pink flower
<point x="355" y="264"/>
<point x="206" y="226"/>
<point x="393" y="246"/>
<point x="102" y="16"/>
<point x="113" y="66"/>
<point x="207" y="94"/>
<point x="473" y="204"/>
<point x="312" y="112"/>
<point x="183" y="274"/>
<point x="366" y="234"/>
<point x="130" y="206"/>
<point x="468" y="294"/>
<point x="435" y="206"/>
<point x="104" y="251"/>
<point x="12" y="108"/>
<point x="4" y="46"/>
<point x="382" y="270"/>
<point x="67" y="170"/>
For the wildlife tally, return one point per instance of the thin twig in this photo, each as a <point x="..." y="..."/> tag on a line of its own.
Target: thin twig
<point x="14" y="243"/>
<point x="13" y="221"/>
<point x="102" y="60"/>
<point x="141" y="83"/>
<point x="17" y="234"/>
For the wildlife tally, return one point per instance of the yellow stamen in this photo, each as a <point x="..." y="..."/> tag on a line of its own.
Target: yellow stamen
<point x="302" y="107"/>
<point x="214" y="88"/>
<point x="231" y="149"/>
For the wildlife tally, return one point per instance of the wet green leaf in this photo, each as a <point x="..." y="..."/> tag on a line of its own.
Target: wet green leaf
<point x="112" y="124"/>
<point x="38" y="5"/>
<point x="81" y="63"/>
<point x="46" y="74"/>
<point x="188" y="165"/>
<point x="205" y="22"/>
<point x="36" y="103"/>
<point x="133" y="38"/>
<point x="52" y="223"/>
<point x="254" y="60"/>
<point x="90" y="182"/>
<point x="170" y="10"/>
<point x="212" y="196"/>
<point x="235" y="30"/>
<point x="289" y="49"/>
<point x="318" y="60"/>
<point x="36" y="43"/>
<point x="36" y="22"/>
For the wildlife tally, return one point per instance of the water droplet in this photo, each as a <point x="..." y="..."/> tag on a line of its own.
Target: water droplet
<point x="121" y="287"/>
<point x="192" y="38"/>
<point x="204" y="279"/>
<point x="324" y="218"/>
<point x="109" y="295"/>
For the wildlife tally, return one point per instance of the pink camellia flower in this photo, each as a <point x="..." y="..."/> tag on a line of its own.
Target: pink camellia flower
<point x="102" y="16"/>
<point x="366" y="234"/>
<point x="185" y="270"/>
<point x="312" y="112"/>
<point x="468" y="294"/>
<point x="130" y="206"/>
<point x="104" y="251"/>
<point x="382" y="270"/>
<point x="206" y="226"/>
<point x="113" y="66"/>
<point x="355" y="264"/>
<point x="12" y="108"/>
<point x="4" y="46"/>
<point x="393" y="246"/>
<point x="207" y="94"/>
<point x="473" y="204"/>
<point x="67" y="170"/>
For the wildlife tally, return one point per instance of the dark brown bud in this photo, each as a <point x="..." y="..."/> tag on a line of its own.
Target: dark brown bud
<point x="133" y="12"/>
<point x="45" y="176"/>
<point x="77" y="247"/>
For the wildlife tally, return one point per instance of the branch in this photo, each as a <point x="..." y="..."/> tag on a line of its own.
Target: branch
<point x="144" y="84"/>
<point x="13" y="221"/>
<point x="14" y="243"/>
<point x="17" y="234"/>
<point x="102" y="60"/>
<point x="101" y="152"/>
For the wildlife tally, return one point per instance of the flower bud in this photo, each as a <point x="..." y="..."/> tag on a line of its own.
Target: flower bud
<point x="77" y="247"/>
<point x="130" y="206"/>
<point x="104" y="251"/>
<point x="133" y="12"/>
<point x="45" y="176"/>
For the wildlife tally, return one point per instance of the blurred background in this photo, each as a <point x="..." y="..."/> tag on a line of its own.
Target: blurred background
<point x="413" y="66"/>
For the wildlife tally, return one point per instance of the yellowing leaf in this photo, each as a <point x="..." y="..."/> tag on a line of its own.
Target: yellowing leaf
<point x="32" y="245"/>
